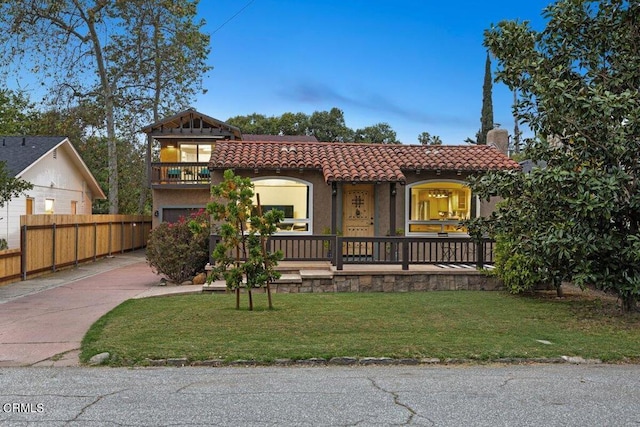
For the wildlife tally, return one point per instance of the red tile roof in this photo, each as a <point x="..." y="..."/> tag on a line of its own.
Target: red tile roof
<point x="279" y="138"/>
<point x="357" y="162"/>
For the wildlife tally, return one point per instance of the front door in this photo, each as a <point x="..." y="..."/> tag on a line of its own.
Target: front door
<point x="357" y="216"/>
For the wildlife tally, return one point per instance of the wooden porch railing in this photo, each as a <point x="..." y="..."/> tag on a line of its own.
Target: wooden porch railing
<point x="381" y="250"/>
<point x="180" y="173"/>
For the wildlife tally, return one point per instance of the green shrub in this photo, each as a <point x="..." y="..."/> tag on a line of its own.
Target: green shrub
<point x="180" y="250"/>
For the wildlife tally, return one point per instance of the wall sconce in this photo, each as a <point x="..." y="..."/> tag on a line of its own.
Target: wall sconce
<point x="393" y="190"/>
<point x="334" y="189"/>
<point x="438" y="172"/>
<point x="156" y="213"/>
<point x="417" y="171"/>
<point x="278" y="170"/>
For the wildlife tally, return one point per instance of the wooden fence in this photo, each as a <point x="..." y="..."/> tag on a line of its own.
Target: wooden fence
<point x="52" y="242"/>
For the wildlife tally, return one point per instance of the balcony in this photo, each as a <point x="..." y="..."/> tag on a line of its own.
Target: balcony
<point x="180" y="174"/>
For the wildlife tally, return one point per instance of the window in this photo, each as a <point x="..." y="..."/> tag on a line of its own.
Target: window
<point x="438" y="207"/>
<point x="289" y="195"/>
<point x="29" y="210"/>
<point x="48" y="206"/>
<point x="74" y="207"/>
<point x="195" y="153"/>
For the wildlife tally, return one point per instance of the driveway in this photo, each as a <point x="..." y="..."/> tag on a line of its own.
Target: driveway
<point x="43" y="320"/>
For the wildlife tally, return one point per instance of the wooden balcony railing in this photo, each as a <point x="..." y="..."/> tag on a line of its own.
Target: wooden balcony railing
<point x="180" y="173"/>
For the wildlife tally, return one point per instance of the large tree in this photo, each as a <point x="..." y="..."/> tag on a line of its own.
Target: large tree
<point x="124" y="56"/>
<point x="578" y="82"/>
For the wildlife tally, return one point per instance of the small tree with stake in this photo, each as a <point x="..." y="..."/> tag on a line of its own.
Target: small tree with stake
<point x="241" y="257"/>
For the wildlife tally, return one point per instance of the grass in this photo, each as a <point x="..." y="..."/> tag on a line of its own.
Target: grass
<point x="473" y="325"/>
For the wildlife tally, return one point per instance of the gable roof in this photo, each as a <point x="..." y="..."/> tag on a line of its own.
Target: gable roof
<point x="357" y="162"/>
<point x="21" y="153"/>
<point x="281" y="138"/>
<point x="191" y="122"/>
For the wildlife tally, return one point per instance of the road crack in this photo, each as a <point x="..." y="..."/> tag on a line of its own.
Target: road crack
<point x="95" y="401"/>
<point x="396" y="400"/>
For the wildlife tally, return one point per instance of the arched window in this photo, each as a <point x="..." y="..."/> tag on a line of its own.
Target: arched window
<point x="292" y="196"/>
<point x="438" y="207"/>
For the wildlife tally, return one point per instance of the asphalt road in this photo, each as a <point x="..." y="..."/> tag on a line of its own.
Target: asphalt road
<point x="541" y="395"/>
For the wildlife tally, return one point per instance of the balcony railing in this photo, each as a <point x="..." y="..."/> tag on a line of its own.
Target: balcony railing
<point x="180" y="173"/>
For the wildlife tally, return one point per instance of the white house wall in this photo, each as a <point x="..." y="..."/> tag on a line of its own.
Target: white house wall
<point x="52" y="178"/>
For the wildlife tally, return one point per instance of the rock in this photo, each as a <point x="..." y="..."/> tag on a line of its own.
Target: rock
<point x="186" y="283"/>
<point x="343" y="361"/>
<point x="180" y="361"/>
<point x="99" y="359"/>
<point x="580" y="360"/>
<point x="200" y="279"/>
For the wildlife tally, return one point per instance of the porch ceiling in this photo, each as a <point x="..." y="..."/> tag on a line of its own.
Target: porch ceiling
<point x="356" y="162"/>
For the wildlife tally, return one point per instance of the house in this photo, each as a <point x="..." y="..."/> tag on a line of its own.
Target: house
<point x="350" y="189"/>
<point x="62" y="183"/>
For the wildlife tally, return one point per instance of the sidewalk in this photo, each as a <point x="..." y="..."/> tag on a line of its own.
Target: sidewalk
<point x="43" y="320"/>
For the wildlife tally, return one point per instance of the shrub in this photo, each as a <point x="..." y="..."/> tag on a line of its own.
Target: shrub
<point x="180" y="250"/>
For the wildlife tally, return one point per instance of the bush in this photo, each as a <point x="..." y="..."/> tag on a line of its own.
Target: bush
<point x="180" y="250"/>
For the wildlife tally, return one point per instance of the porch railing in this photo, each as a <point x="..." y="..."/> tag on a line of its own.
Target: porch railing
<point x="180" y="173"/>
<point x="381" y="250"/>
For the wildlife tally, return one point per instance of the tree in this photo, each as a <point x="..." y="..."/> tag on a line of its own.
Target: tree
<point x="256" y="124"/>
<point x="10" y="186"/>
<point x="123" y="56"/>
<point x="380" y="133"/>
<point x="241" y="256"/>
<point x="578" y="81"/>
<point x="486" y="114"/>
<point x="329" y="126"/>
<point x="17" y="113"/>
<point x="425" y="138"/>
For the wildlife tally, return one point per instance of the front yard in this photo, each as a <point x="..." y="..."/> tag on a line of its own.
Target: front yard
<point x="483" y="326"/>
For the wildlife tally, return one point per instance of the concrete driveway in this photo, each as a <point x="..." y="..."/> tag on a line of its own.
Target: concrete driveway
<point x="43" y="320"/>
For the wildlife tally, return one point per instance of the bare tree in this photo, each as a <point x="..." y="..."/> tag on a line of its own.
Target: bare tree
<point x="122" y="55"/>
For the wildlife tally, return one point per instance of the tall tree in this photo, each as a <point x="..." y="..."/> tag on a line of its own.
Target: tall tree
<point x="380" y="133"/>
<point x="578" y="81"/>
<point x="101" y="51"/>
<point x="486" y="116"/>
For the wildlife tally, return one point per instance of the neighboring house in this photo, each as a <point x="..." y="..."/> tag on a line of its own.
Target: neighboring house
<point x="62" y="183"/>
<point x="353" y="189"/>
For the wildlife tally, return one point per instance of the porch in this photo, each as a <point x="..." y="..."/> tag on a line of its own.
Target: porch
<point x="332" y="263"/>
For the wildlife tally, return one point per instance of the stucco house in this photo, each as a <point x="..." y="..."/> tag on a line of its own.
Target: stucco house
<point x="337" y="188"/>
<point x="62" y="183"/>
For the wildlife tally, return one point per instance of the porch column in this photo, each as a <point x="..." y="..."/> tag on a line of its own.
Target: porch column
<point x="334" y="207"/>
<point x="148" y="158"/>
<point x="392" y="208"/>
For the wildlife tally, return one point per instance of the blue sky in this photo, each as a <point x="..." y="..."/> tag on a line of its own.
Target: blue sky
<point x="417" y="65"/>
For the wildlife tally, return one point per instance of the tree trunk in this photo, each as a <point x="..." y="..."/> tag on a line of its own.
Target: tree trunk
<point x="250" y="299"/>
<point x="109" y="110"/>
<point x="237" y="298"/>
<point x="628" y="304"/>
<point x="269" y="296"/>
<point x="559" y="291"/>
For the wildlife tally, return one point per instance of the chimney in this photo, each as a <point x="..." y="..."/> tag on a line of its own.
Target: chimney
<point x="499" y="138"/>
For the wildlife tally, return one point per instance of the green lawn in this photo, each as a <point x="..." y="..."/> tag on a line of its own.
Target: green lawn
<point x="459" y="324"/>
